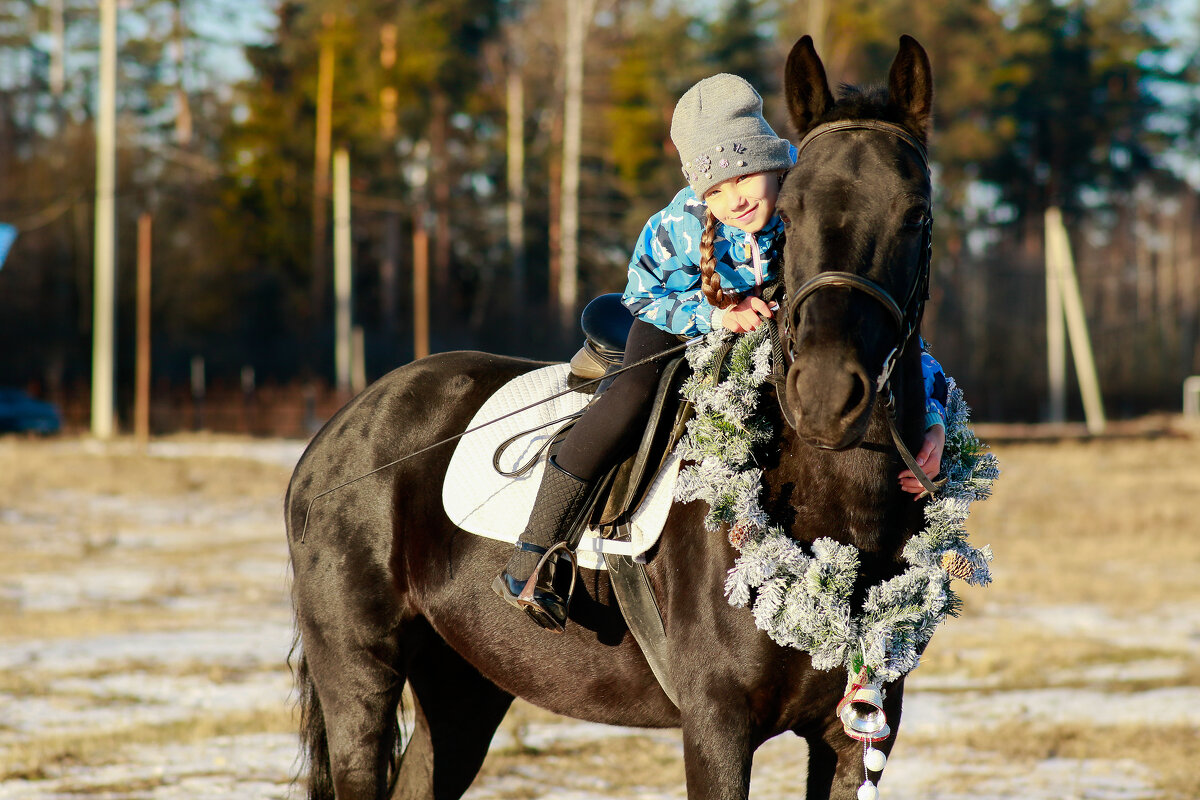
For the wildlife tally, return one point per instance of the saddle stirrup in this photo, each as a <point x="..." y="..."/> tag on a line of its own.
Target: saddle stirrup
<point x="528" y="598"/>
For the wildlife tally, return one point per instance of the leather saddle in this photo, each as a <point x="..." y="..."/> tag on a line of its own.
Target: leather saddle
<point x="606" y="323"/>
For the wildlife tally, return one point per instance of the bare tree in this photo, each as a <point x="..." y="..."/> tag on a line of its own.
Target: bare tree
<point x="515" y="204"/>
<point x="579" y="17"/>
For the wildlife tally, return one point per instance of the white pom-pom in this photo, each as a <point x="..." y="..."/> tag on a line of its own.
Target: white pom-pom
<point x="875" y="760"/>
<point x="868" y="791"/>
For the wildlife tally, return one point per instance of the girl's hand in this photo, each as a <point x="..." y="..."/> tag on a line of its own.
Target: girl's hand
<point x="746" y="315"/>
<point x="930" y="459"/>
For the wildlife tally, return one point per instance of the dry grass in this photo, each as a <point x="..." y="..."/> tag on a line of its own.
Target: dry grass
<point x="1109" y="524"/>
<point x="39" y="757"/>
<point x="31" y="467"/>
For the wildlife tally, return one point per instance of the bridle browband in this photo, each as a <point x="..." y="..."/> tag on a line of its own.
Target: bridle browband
<point x="906" y="315"/>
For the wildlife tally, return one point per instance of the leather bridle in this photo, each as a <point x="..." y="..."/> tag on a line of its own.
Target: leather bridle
<point x="907" y="315"/>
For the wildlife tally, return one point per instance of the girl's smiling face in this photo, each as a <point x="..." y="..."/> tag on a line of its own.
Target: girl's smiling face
<point x="746" y="202"/>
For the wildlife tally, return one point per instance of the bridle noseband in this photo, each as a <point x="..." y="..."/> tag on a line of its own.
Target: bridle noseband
<point x="906" y="315"/>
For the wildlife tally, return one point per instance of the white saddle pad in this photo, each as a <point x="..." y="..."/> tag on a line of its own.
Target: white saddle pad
<point x="480" y="500"/>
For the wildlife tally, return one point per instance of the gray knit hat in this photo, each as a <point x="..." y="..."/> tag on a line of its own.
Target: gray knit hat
<point x="719" y="131"/>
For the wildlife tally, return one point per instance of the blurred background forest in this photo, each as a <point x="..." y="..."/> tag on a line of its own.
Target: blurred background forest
<point x="457" y="116"/>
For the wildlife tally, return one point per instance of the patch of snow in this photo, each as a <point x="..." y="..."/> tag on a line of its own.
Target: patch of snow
<point x="1157" y="669"/>
<point x="1166" y="628"/>
<point x="284" y="452"/>
<point x="540" y="736"/>
<point x="248" y="646"/>
<point x="88" y="706"/>
<point x="936" y="714"/>
<point x="79" y="588"/>
<point x="962" y="774"/>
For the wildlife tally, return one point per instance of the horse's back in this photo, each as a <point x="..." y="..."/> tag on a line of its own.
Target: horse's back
<point x="411" y="408"/>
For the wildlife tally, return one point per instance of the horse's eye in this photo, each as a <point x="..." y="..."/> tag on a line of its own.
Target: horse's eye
<point x="915" y="219"/>
<point x="786" y="219"/>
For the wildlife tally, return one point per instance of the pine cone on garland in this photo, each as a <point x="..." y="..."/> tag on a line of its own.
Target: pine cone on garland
<point x="957" y="565"/>
<point x="739" y="534"/>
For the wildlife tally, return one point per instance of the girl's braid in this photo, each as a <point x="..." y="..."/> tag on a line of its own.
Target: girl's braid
<point x="710" y="282"/>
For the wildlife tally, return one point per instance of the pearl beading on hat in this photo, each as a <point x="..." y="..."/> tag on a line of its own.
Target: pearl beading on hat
<point x="703" y="164"/>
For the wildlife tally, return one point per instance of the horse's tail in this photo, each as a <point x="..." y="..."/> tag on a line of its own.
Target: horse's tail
<point x="314" y="742"/>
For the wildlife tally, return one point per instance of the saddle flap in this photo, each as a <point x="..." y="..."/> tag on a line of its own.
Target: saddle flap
<point x="634" y="476"/>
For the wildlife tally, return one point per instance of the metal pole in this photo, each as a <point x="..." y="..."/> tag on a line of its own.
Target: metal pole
<point x="515" y="176"/>
<point x="103" y="304"/>
<point x="418" y="176"/>
<point x="579" y="16"/>
<point x="420" y="285"/>
<point x="321" y="146"/>
<point x="818" y="21"/>
<point x="58" y="50"/>
<point x="342" y="279"/>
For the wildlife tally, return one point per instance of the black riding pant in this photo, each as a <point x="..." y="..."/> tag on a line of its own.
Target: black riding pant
<point x="612" y="427"/>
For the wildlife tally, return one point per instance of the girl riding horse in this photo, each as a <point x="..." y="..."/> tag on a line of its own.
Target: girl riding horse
<point x="699" y="264"/>
<point x="392" y="604"/>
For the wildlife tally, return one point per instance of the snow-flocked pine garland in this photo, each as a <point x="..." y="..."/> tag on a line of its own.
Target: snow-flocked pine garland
<point x="802" y="599"/>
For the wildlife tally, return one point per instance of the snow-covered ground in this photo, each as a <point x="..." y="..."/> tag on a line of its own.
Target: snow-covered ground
<point x="212" y="578"/>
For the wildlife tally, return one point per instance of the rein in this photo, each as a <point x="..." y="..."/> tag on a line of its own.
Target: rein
<point x="906" y="316"/>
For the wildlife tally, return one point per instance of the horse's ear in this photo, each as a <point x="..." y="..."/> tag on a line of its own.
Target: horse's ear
<point x="805" y="86"/>
<point x="910" y="85"/>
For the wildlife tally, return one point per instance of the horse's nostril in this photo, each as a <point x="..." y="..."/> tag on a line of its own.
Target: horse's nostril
<point x="854" y="401"/>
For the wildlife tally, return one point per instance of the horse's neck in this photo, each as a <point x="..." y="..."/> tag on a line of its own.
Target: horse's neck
<point x="850" y="496"/>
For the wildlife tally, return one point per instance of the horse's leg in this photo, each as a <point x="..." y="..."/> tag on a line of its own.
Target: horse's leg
<point x="835" y="768"/>
<point x="457" y="713"/>
<point x="717" y="751"/>
<point x="358" y="686"/>
<point x="351" y="630"/>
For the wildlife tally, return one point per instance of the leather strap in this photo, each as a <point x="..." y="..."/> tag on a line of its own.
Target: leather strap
<point x="848" y="280"/>
<point x="521" y="469"/>
<point x="636" y="598"/>
<point x="898" y="131"/>
<point x="930" y="486"/>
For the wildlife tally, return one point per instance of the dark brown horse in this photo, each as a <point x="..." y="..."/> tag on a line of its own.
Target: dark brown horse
<point x="387" y="591"/>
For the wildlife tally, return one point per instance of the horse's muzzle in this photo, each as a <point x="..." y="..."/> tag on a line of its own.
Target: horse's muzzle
<point x="831" y="401"/>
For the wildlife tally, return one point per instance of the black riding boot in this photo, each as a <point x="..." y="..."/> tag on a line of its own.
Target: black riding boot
<point x="561" y="499"/>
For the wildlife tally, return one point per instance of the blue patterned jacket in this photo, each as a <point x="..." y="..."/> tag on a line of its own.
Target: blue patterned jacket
<point x="664" y="289"/>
